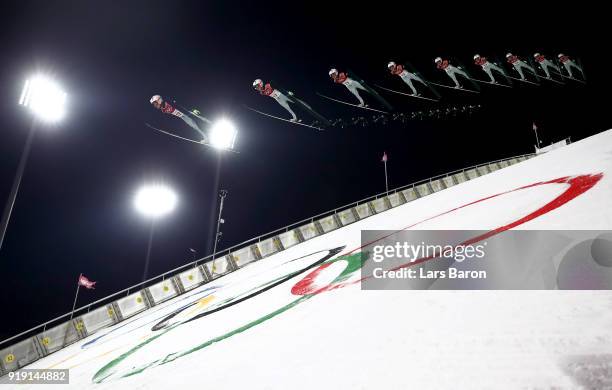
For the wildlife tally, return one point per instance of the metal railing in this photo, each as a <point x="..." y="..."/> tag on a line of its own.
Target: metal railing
<point x="225" y="252"/>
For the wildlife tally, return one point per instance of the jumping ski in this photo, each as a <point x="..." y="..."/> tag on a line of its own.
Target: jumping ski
<point x="523" y="80"/>
<point x="491" y="83"/>
<point x="553" y="80"/>
<point x="203" y="142"/>
<point x="405" y="94"/>
<point x="567" y="77"/>
<point x="351" y="104"/>
<point x="573" y="78"/>
<point x="285" y="120"/>
<point x="301" y="103"/>
<point x="455" y="88"/>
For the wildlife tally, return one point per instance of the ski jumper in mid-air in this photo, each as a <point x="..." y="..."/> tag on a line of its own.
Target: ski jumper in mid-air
<point x="488" y="67"/>
<point x="568" y="64"/>
<point x="408" y="77"/>
<point x="167" y="108"/>
<point x="519" y="65"/>
<point x="546" y="65"/>
<point x="451" y="70"/>
<point x="352" y="85"/>
<point x="284" y="98"/>
<point x="281" y="98"/>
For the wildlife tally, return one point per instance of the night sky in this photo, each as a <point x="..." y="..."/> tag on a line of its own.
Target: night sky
<point x="74" y="211"/>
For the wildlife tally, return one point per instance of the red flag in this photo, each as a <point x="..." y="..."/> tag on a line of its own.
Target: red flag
<point x="83" y="281"/>
<point x="384" y="157"/>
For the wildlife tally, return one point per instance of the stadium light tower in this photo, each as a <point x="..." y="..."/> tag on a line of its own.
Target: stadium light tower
<point x="154" y="201"/>
<point x="46" y="100"/>
<point x="218" y="233"/>
<point x="223" y="134"/>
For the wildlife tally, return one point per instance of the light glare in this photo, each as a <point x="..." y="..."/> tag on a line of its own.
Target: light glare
<point x="45" y="98"/>
<point x="223" y="134"/>
<point x="155" y="200"/>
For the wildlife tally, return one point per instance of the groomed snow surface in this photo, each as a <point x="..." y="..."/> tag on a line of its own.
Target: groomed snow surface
<point x="279" y="328"/>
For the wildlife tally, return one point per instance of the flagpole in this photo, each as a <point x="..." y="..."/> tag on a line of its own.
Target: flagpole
<point x="535" y="130"/>
<point x="386" y="180"/>
<point x="76" y="296"/>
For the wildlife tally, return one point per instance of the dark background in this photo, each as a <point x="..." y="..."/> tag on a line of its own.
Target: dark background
<point x="74" y="212"/>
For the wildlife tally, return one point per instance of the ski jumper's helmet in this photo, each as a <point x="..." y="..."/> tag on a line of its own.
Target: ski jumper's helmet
<point x="156" y="98"/>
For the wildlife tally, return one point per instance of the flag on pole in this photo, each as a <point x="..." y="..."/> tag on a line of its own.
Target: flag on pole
<point x="83" y="281"/>
<point x="535" y="130"/>
<point x="384" y="157"/>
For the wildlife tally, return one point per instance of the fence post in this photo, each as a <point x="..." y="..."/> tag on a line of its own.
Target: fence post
<point x="39" y="347"/>
<point x="387" y="202"/>
<point x="401" y="197"/>
<point x="278" y="244"/>
<point x="147" y="297"/>
<point x="2" y="369"/>
<point x="430" y="188"/>
<point x="178" y="284"/>
<point x="205" y="273"/>
<point x="255" y="251"/>
<point x="318" y="227"/>
<point x="371" y="208"/>
<point x="337" y="220"/>
<point x="298" y="235"/>
<point x="232" y="262"/>
<point x="117" y="311"/>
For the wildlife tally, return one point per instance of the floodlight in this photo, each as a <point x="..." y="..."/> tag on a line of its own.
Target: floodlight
<point x="45" y="98"/>
<point x="155" y="200"/>
<point x="223" y="134"/>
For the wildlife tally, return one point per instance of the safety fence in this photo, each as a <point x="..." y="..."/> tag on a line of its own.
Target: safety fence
<point x="61" y="331"/>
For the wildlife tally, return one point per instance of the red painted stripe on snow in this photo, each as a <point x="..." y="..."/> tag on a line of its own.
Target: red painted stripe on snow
<point x="578" y="185"/>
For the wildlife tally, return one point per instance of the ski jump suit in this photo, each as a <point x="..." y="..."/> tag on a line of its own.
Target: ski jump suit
<point x="168" y="109"/>
<point x="407" y="77"/>
<point x="452" y="71"/>
<point x="546" y="64"/>
<point x="519" y="65"/>
<point x="568" y="63"/>
<point x="352" y="85"/>
<point x="489" y="67"/>
<point x="279" y="97"/>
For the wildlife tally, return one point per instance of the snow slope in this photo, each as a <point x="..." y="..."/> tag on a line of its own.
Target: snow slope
<point x="287" y="322"/>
